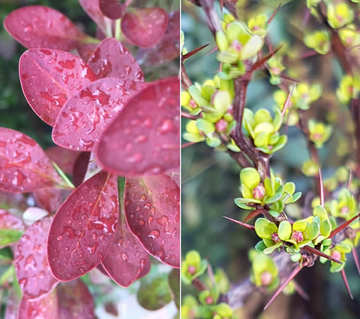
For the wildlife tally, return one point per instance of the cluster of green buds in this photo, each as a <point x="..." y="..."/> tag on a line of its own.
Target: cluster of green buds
<point x="349" y="36"/>
<point x="264" y="130"/>
<point x="339" y="252"/>
<point x="345" y="206"/>
<point x="308" y="231"/>
<point x="348" y="89"/>
<point x="319" y="133"/>
<point x="213" y="101"/>
<point x="318" y="41"/>
<point x="276" y="66"/>
<point x="301" y="98"/>
<point x="270" y="192"/>
<point x="206" y="305"/>
<point x="310" y="168"/>
<point x="339" y="14"/>
<point x="238" y="42"/>
<point x="192" y="267"/>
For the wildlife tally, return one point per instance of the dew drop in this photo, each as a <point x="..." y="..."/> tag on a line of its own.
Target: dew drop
<point x="154" y="234"/>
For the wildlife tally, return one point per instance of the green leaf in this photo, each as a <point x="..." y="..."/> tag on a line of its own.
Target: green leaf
<point x="260" y="246"/>
<point x="284" y="231"/>
<point x="265" y="228"/>
<point x="250" y="177"/>
<point x="174" y="284"/>
<point x="9" y="236"/>
<point x="276" y="197"/>
<point x="205" y="126"/>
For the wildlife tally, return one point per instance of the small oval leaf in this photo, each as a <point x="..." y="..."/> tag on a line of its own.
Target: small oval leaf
<point x="83" y="227"/>
<point x="31" y="261"/>
<point x="43" y="27"/>
<point x="113" y="9"/>
<point x="144" y="137"/>
<point x="85" y="115"/>
<point x="49" y="77"/>
<point x="91" y="7"/>
<point x="145" y="27"/>
<point x="152" y="213"/>
<point x="24" y="167"/>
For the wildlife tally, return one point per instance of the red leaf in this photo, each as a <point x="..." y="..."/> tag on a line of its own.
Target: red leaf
<point x="43" y="308"/>
<point x="169" y="46"/>
<point x="81" y="167"/>
<point x="126" y="260"/>
<point x="112" y="59"/>
<point x="85" y="115"/>
<point x="10" y="221"/>
<point x="83" y="227"/>
<point x="145" y="27"/>
<point x="91" y="7"/>
<point x="152" y="212"/>
<point x="50" y="198"/>
<point x="24" y="167"/>
<point x="144" y="137"/>
<point x="49" y="77"/>
<point x="75" y="301"/>
<point x="113" y="9"/>
<point x="63" y="157"/>
<point x="12" y="305"/>
<point x="86" y="50"/>
<point x="31" y="261"/>
<point x="43" y="27"/>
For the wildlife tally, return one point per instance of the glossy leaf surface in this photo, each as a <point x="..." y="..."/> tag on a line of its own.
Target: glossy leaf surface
<point x="75" y="301"/>
<point x="145" y="27"/>
<point x="50" y="198"/>
<point x="113" y="9"/>
<point x="43" y="27"/>
<point x="85" y="115"/>
<point x="80" y="168"/>
<point x="24" y="166"/>
<point x="169" y="46"/>
<point x="92" y="8"/>
<point x="31" y="261"/>
<point x="112" y="59"/>
<point x="152" y="212"/>
<point x="49" y="77"/>
<point x="10" y="221"/>
<point x="43" y="308"/>
<point x="144" y="137"/>
<point x="126" y="260"/>
<point x="83" y="227"/>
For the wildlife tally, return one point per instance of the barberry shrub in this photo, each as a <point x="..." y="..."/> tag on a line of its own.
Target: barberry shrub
<point x="278" y="92"/>
<point x="104" y="201"/>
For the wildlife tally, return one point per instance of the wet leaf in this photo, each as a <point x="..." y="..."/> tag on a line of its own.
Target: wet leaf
<point x="113" y="9"/>
<point x="112" y="59"/>
<point x="145" y="27"/>
<point x="91" y="7"/>
<point x="152" y="212"/>
<point x="50" y="198"/>
<point x="43" y="308"/>
<point x="144" y="137"/>
<point x="24" y="167"/>
<point x="80" y="168"/>
<point x="63" y="157"/>
<point x="86" y="114"/>
<point x="31" y="261"/>
<point x="49" y="77"/>
<point x="155" y="293"/>
<point x="10" y="221"/>
<point x="174" y="284"/>
<point x="86" y="50"/>
<point x="83" y="227"/>
<point x="43" y="27"/>
<point x="169" y="46"/>
<point x="75" y="301"/>
<point x="12" y="305"/>
<point x="126" y="260"/>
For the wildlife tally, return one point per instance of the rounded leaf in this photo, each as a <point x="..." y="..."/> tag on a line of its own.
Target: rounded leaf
<point x="92" y="8"/>
<point x="44" y="308"/>
<point x="113" y="9"/>
<point x="250" y="177"/>
<point x="83" y="227"/>
<point x="49" y="77"/>
<point x="112" y="59"/>
<point x="126" y="260"/>
<point x="145" y="27"/>
<point x="43" y="27"/>
<point x="153" y="215"/>
<point x="284" y="231"/>
<point x="265" y="228"/>
<point x="31" y="261"/>
<point x="144" y="137"/>
<point x="24" y="167"/>
<point x="86" y="114"/>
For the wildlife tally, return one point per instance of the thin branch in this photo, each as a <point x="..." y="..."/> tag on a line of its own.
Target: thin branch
<point x="343" y="226"/>
<point x="356" y="259"/>
<point x="248" y="226"/>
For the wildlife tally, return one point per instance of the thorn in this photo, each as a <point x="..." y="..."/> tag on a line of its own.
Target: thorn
<point x="191" y="53"/>
<point x="188" y="144"/>
<point x="301" y="291"/>
<point x="350" y="179"/>
<point x="287" y="101"/>
<point x="284" y="284"/>
<point x="211" y="275"/>
<point x="273" y="14"/>
<point x="342" y="226"/>
<point x="253" y="214"/>
<point x="321" y="254"/>
<point x="258" y="64"/>
<point x="287" y="78"/>
<point x="241" y="223"/>
<point x="321" y="182"/>
<point x="356" y="259"/>
<point x="188" y="116"/>
<point x="343" y="275"/>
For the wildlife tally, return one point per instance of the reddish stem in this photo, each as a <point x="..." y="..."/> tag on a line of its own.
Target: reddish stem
<point x="344" y="277"/>
<point x="356" y="259"/>
<point x="321" y="254"/>
<point x="251" y="227"/>
<point x="343" y="226"/>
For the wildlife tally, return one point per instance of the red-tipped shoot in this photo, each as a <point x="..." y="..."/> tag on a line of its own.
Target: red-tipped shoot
<point x="191" y="53"/>
<point x="251" y="227"/>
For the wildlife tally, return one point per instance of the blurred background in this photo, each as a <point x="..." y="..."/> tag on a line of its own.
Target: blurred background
<point x="210" y="179"/>
<point x="111" y="300"/>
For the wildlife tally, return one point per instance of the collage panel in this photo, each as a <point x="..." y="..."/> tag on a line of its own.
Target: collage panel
<point x="89" y="159"/>
<point x="270" y="159"/>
